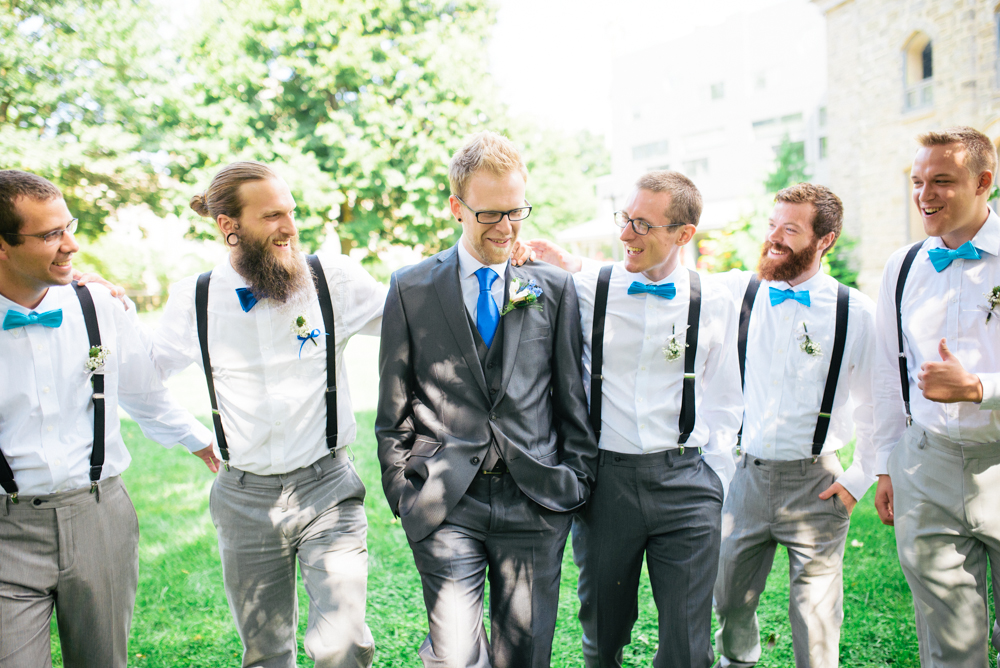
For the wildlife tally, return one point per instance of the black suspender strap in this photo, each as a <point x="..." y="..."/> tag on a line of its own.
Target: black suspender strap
<point x="201" y="314"/>
<point x="326" y="306"/>
<point x="94" y="334"/>
<point x="836" y="359"/>
<point x="690" y="350"/>
<point x="597" y="348"/>
<point x="745" y="310"/>
<point x="904" y="381"/>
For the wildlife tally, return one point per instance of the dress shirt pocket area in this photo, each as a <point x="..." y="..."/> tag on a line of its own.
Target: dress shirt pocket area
<point x="535" y="333"/>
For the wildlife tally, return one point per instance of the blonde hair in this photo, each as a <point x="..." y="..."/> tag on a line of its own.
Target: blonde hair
<point x="223" y="195"/>
<point x="485" y="151"/>
<point x="685" y="199"/>
<point x="982" y="154"/>
<point x="829" y="209"/>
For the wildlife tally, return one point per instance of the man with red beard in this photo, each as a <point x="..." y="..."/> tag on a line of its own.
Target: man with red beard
<point x="806" y="353"/>
<point x="271" y="334"/>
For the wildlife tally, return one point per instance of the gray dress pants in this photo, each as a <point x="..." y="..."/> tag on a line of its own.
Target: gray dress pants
<point x="947" y="521"/>
<point x="79" y="555"/>
<point x="773" y="503"/>
<point x="668" y="507"/>
<point x="494" y="528"/>
<point x="313" y="516"/>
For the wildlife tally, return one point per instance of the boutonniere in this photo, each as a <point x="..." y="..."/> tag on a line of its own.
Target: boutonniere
<point x="673" y="349"/>
<point x="302" y="332"/>
<point x="521" y="295"/>
<point x="96" y="358"/>
<point x="808" y="346"/>
<point x="992" y="303"/>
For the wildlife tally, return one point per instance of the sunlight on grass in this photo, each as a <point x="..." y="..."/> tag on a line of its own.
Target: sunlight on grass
<point x="182" y="618"/>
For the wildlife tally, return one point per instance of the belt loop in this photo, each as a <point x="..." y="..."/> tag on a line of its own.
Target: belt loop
<point x="6" y="505"/>
<point x="743" y="460"/>
<point x="802" y="466"/>
<point x="239" y="478"/>
<point x="318" y="470"/>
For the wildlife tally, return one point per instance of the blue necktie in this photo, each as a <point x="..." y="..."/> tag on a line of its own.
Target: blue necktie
<point x="247" y="299"/>
<point x="779" y="296"/>
<point x="487" y="314"/>
<point x="941" y="258"/>
<point x="667" y="291"/>
<point x="48" y="319"/>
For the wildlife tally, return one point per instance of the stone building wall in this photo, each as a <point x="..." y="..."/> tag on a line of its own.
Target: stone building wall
<point x="871" y="132"/>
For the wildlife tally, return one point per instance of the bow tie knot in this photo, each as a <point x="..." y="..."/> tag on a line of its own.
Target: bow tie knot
<point x="941" y="258"/>
<point x="48" y="319"/>
<point x="779" y="296"/>
<point x="247" y="299"/>
<point x="667" y="290"/>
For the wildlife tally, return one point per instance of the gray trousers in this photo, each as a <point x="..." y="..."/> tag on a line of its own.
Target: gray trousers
<point x="315" y="516"/>
<point x="76" y="554"/>
<point x="494" y="528"/>
<point x="667" y="507"/>
<point x="773" y="503"/>
<point x="947" y="520"/>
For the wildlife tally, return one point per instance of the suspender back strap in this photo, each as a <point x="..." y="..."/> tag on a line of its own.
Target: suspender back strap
<point x="904" y="381"/>
<point x="690" y="350"/>
<point x="326" y="306"/>
<point x="597" y="348"/>
<point x="94" y="334"/>
<point x="745" y="310"/>
<point x="836" y="360"/>
<point x="201" y="314"/>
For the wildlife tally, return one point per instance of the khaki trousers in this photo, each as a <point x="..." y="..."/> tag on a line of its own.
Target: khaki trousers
<point x="947" y="520"/>
<point x="76" y="554"/>
<point x="773" y="503"/>
<point x="313" y="516"/>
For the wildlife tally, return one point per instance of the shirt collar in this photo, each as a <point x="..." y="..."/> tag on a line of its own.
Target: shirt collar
<point x="987" y="238"/>
<point x="55" y="297"/>
<point x="469" y="265"/>
<point x="678" y="276"/>
<point x="815" y="282"/>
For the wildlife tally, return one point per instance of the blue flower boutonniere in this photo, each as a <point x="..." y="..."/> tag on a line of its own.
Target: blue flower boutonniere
<point x="521" y="295"/>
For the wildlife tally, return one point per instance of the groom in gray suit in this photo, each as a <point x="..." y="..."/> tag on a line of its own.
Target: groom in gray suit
<point x="482" y="424"/>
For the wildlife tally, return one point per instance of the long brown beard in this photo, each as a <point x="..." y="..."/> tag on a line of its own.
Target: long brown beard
<point x="787" y="269"/>
<point x="266" y="274"/>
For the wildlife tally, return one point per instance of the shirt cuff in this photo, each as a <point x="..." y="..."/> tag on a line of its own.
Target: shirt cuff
<point x="855" y="482"/>
<point x="991" y="391"/>
<point x="199" y="439"/>
<point x="882" y="460"/>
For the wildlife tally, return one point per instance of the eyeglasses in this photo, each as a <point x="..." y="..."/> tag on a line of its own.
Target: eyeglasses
<point x="53" y="237"/>
<point x="494" y="217"/>
<point x="639" y="226"/>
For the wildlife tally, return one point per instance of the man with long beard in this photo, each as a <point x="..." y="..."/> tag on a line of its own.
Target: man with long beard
<point x="806" y="354"/>
<point x="263" y="326"/>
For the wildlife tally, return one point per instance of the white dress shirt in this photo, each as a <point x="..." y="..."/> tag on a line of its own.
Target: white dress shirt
<point x="642" y="391"/>
<point x="272" y="401"/>
<point x="947" y="305"/>
<point x="47" y="415"/>
<point x="467" y="268"/>
<point x="785" y="385"/>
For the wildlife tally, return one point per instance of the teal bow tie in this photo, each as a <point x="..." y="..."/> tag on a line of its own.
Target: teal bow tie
<point x="247" y="299"/>
<point x="48" y="319"/>
<point x="778" y="296"/>
<point x="667" y="291"/>
<point x="941" y="258"/>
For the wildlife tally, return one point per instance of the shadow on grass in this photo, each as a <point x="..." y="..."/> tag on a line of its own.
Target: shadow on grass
<point x="182" y="618"/>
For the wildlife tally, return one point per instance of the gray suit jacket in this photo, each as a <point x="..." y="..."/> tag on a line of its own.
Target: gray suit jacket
<point x="435" y="416"/>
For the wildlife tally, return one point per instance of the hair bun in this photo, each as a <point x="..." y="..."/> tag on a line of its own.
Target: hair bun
<point x="200" y="205"/>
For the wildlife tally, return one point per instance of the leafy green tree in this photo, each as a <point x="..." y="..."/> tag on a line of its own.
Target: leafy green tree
<point x="789" y="166"/>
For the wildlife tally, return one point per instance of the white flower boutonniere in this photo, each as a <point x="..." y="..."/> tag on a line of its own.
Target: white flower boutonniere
<point x="521" y="295"/>
<point x="96" y="358"/>
<point x="992" y="307"/>
<point x="302" y="332"/>
<point x="808" y="346"/>
<point x="673" y="349"/>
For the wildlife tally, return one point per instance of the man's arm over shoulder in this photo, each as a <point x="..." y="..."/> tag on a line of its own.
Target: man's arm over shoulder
<point x="394" y="428"/>
<point x="175" y="340"/>
<point x="358" y="297"/>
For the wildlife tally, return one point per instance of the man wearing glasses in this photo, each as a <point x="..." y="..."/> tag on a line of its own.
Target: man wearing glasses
<point x="660" y="364"/>
<point x="482" y="422"/>
<point x="68" y="531"/>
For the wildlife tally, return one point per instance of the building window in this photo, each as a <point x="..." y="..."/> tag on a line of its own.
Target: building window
<point x="650" y="150"/>
<point x="718" y="90"/>
<point x="822" y="117"/>
<point x="696" y="168"/>
<point x="919" y="72"/>
<point x="822" y="148"/>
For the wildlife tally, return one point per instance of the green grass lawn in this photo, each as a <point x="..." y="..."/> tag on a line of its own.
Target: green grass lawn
<point x="182" y="619"/>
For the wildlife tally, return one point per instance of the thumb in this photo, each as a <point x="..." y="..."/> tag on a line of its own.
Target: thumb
<point x="945" y="353"/>
<point x="828" y="492"/>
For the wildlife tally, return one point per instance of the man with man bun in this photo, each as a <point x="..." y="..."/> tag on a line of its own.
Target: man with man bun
<point x="937" y="427"/>
<point x="269" y="326"/>
<point x="69" y="357"/>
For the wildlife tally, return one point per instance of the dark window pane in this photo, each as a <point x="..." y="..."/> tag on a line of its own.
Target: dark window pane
<point x="928" y="59"/>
